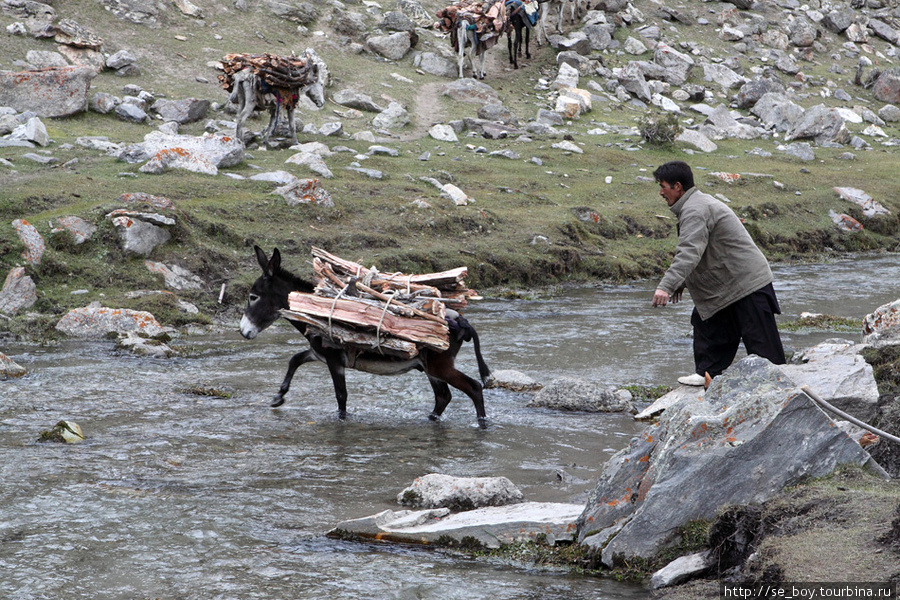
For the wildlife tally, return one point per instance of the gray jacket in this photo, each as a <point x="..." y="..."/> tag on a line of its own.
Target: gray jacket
<point x="716" y="258"/>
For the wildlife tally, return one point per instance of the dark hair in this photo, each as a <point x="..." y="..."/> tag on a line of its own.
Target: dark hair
<point x="675" y="171"/>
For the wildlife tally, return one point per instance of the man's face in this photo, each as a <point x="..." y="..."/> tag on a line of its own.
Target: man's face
<point x="670" y="192"/>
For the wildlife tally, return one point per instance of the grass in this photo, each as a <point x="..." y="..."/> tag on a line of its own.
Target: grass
<point x="527" y="225"/>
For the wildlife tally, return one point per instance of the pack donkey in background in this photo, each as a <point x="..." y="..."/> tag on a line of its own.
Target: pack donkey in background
<point x="523" y="14"/>
<point x="474" y="27"/>
<point x="269" y="295"/>
<point x="272" y="82"/>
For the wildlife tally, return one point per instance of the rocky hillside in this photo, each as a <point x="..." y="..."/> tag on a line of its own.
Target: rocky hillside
<point x="534" y="175"/>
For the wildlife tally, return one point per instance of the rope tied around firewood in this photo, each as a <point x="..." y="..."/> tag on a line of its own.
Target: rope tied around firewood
<point x="390" y="297"/>
<point x="333" y="305"/>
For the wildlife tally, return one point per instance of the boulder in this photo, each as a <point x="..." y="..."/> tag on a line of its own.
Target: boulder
<point x="681" y="569"/>
<point x="443" y="133"/>
<point x="839" y="375"/>
<point x="313" y="162"/>
<point x="882" y="327"/>
<point x="18" y="292"/>
<point x="139" y="12"/>
<point x="218" y="150"/>
<point x="393" y="117"/>
<point x="459" y="493"/>
<point x="188" y="110"/>
<point x="95" y="321"/>
<point x="65" y="432"/>
<point x="178" y="158"/>
<point x="839" y="19"/>
<point x="43" y="59"/>
<point x="305" y="191"/>
<point x="802" y="32"/>
<point x="34" y="243"/>
<point x="722" y="75"/>
<point x="870" y="206"/>
<point x="821" y="123"/>
<point x="77" y="228"/>
<point x="433" y="64"/>
<point x="777" y="111"/>
<point x="885" y="31"/>
<point x="679" y="394"/>
<point x="53" y="92"/>
<point x="103" y="103"/>
<point x="567" y="393"/>
<point x="490" y="527"/>
<point x="9" y="368"/>
<point x="886" y="89"/>
<point x="298" y="12"/>
<point x="753" y="433"/>
<point x="392" y="47"/>
<point x="513" y="380"/>
<point x="752" y="91"/>
<point x="697" y="139"/>
<point x="357" y="100"/>
<point x="139" y="232"/>
<point x="175" y="277"/>
<point x="120" y="59"/>
<point x="677" y="65"/>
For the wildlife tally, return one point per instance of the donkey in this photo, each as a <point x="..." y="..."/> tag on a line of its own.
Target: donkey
<point x="270" y="293"/>
<point x="559" y="6"/>
<point x="250" y="92"/>
<point x="518" y="20"/>
<point x="467" y="38"/>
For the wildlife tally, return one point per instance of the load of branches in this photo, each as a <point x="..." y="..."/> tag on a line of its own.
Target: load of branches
<point x="392" y="313"/>
<point x="488" y="17"/>
<point x="285" y="72"/>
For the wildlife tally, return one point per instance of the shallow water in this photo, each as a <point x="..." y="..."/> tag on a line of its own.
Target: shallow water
<point x="175" y="495"/>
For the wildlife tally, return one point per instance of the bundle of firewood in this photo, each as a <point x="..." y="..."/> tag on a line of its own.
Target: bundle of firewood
<point x="286" y="72"/>
<point x="392" y="313"/>
<point x="447" y="15"/>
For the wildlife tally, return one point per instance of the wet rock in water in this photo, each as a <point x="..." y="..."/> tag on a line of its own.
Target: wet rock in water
<point x="488" y="527"/>
<point x="513" y="380"/>
<point x="141" y="346"/>
<point x="751" y="435"/>
<point x="66" y="432"/>
<point x="9" y="368"/>
<point x="567" y="393"/>
<point x="681" y="393"/>
<point x="459" y="493"/>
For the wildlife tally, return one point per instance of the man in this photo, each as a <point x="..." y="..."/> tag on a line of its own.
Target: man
<point x="727" y="276"/>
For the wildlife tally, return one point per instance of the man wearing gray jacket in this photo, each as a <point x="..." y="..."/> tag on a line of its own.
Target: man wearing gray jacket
<point x="727" y="276"/>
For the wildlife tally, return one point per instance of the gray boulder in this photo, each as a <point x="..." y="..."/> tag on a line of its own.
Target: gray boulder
<point x="32" y="240"/>
<point x="139" y="12"/>
<point x="140" y="232"/>
<point x="838" y="20"/>
<point x="103" y="103"/>
<point x="9" y="368"/>
<point x="753" y="433"/>
<point x="78" y="230"/>
<point x="752" y="91"/>
<point x="567" y="393"/>
<point x="298" y="12"/>
<point x="433" y="64"/>
<point x="631" y="77"/>
<point x="218" y="150"/>
<point x="821" y="123"/>
<point x="777" y="111"/>
<point x="188" y="110"/>
<point x="305" y="191"/>
<point x="839" y="375"/>
<point x="43" y="59"/>
<point x="392" y="47"/>
<point x="882" y="327"/>
<point x="885" y="31"/>
<point x="459" y="493"/>
<point x="95" y="321"/>
<point x="131" y="113"/>
<point x="358" y="100"/>
<point x="802" y="32"/>
<point x="18" y="292"/>
<point x="887" y="86"/>
<point x="397" y="21"/>
<point x="54" y="92"/>
<point x="393" y="117"/>
<point x="677" y="65"/>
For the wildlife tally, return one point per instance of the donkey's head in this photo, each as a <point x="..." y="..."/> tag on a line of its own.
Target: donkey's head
<point x="269" y="294"/>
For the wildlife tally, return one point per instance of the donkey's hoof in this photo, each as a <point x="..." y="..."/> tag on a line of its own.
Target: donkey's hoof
<point x="342" y="415"/>
<point x="278" y="401"/>
<point x="483" y="422"/>
<point x="434" y="417"/>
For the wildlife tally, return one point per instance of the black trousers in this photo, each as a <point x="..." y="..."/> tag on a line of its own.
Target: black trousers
<point x="751" y="320"/>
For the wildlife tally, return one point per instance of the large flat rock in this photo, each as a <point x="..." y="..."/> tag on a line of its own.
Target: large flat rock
<point x="492" y="526"/>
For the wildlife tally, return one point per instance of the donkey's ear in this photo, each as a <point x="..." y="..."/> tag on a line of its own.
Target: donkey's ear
<point x="261" y="258"/>
<point x="275" y="263"/>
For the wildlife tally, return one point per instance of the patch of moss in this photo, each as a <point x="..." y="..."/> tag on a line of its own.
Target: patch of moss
<point x="823" y="323"/>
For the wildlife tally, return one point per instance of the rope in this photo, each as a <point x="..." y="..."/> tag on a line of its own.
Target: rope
<point x="850" y="418"/>
<point x="333" y="305"/>
<point x="380" y="321"/>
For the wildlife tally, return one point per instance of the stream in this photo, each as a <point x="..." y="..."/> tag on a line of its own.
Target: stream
<point x="177" y="495"/>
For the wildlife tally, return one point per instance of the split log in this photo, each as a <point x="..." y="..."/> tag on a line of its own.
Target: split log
<point x="363" y="315"/>
<point x="345" y="337"/>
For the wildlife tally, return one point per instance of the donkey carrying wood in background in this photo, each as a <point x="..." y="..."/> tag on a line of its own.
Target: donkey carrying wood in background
<point x="269" y="295"/>
<point x="272" y="82"/>
<point x="523" y="14"/>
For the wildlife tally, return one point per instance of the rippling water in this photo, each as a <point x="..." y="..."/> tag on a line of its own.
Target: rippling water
<point x="175" y="495"/>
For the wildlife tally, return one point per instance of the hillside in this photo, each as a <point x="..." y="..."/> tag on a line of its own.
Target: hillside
<point x="550" y="199"/>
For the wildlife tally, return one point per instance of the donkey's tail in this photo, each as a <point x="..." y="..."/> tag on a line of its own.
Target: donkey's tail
<point x="483" y="369"/>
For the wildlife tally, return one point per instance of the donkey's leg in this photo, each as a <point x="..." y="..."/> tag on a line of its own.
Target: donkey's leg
<point x="527" y="41"/>
<point x="291" y="125"/>
<point x="340" y="384"/>
<point x="481" y="56"/>
<point x="512" y="48"/>
<point x="247" y="99"/>
<point x="442" y="397"/>
<point x="441" y="367"/>
<point x="274" y="111"/>
<point x="298" y="359"/>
